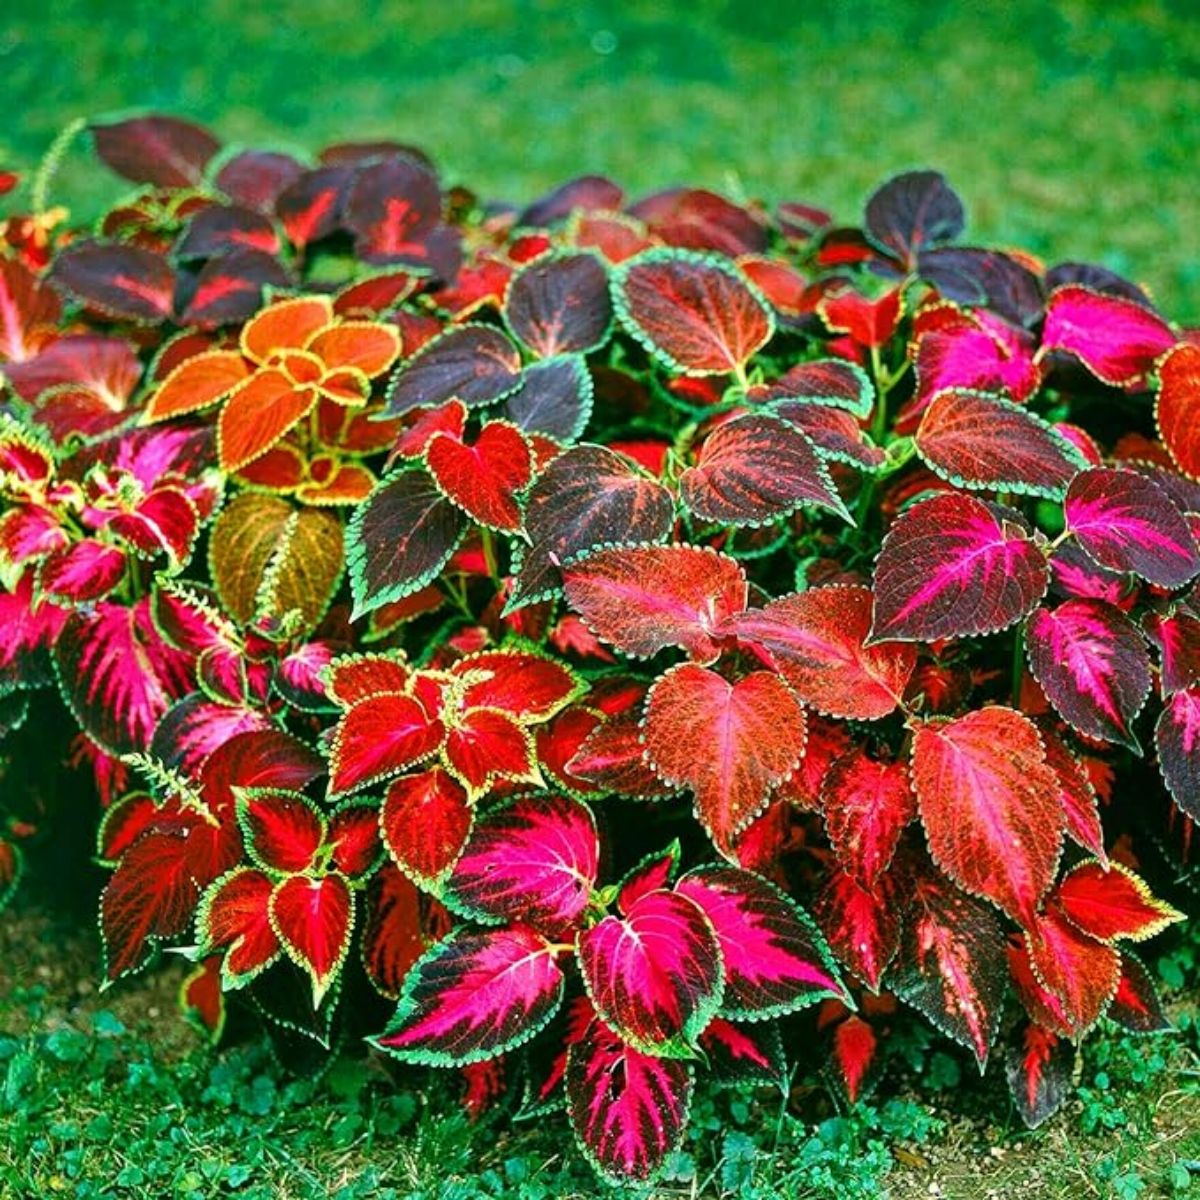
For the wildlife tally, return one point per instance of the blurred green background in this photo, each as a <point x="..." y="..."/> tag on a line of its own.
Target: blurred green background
<point x="1071" y="127"/>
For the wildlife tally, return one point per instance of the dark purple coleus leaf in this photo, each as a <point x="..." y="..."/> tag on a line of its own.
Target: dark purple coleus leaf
<point x="161" y="150"/>
<point x="1137" y="1006"/>
<point x="560" y="304"/>
<point x="951" y="566"/>
<point x="393" y="206"/>
<point x="1038" y="1065"/>
<point x="1126" y="522"/>
<point x="474" y="364"/>
<point x="555" y="398"/>
<point x="399" y="538"/>
<point x="1177" y="738"/>
<point x="697" y="219"/>
<point x="311" y="206"/>
<point x="1177" y="635"/>
<point x="912" y="211"/>
<point x="656" y="974"/>
<point x="533" y="861"/>
<point x="474" y="996"/>
<point x="774" y="957"/>
<point x="219" y="229"/>
<point x="229" y="289"/>
<point x="255" y="179"/>
<point x="1093" y="666"/>
<point x="126" y="283"/>
<point x="831" y="382"/>
<point x="984" y="277"/>
<point x="628" y="1109"/>
<point x="590" y="193"/>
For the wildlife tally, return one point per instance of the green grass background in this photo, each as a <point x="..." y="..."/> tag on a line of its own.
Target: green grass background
<point x="1072" y="127"/>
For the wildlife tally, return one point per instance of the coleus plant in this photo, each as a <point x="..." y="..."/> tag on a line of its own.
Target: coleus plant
<point x="528" y="616"/>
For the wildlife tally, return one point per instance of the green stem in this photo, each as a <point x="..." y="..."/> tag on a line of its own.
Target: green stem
<point x="48" y="167"/>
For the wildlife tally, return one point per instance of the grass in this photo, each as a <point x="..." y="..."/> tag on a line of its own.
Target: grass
<point x="1070" y="126"/>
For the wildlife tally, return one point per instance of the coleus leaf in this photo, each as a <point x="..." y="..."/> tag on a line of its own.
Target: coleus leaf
<point x="379" y="737"/>
<point x="701" y="220"/>
<point x="255" y="178"/>
<point x="775" y="960"/>
<point x="1176" y="633"/>
<point x="816" y="640"/>
<point x="952" y="566"/>
<point x="855" y="1054"/>
<point x="588" y="496"/>
<point x="979" y="441"/>
<point x="990" y="806"/>
<point x="1081" y="972"/>
<point x="642" y="599"/>
<point x="310" y="207"/>
<point x="126" y="283"/>
<point x="1117" y="340"/>
<point x="532" y="861"/>
<point x="1093" y="666"/>
<point x="474" y="996"/>
<point x="1136" y="1005"/>
<point x="471" y="363"/>
<point x="157" y="149"/>
<point x="85" y="571"/>
<point x="282" y="831"/>
<point x="652" y="874"/>
<point x="425" y="821"/>
<point x="825" y="383"/>
<point x="194" y="727"/>
<point x="399" y="539"/>
<point x="744" y="739"/>
<point x="555" y="398"/>
<point x="1077" y="795"/>
<point x="560" y="304"/>
<point x="655" y="975"/>
<point x="1127" y="522"/>
<point x="234" y="918"/>
<point x="836" y="434"/>
<point x="867" y="804"/>
<point x="862" y="927"/>
<point x="392" y="939"/>
<point x="755" y="469"/>
<point x="528" y="686"/>
<point x="220" y="229"/>
<point x="1111" y="903"/>
<point x="587" y="193"/>
<point x="1038" y="1067"/>
<point x="628" y="1109"/>
<point x="484" y="478"/>
<point x="951" y="965"/>
<point x="698" y="314"/>
<point x="313" y="917"/>
<point x="1177" y="739"/>
<point x="1177" y="406"/>
<point x="912" y="211"/>
<point x="230" y="288"/>
<point x="29" y="311"/>
<point x="611" y="758"/>
<point x="741" y="1054"/>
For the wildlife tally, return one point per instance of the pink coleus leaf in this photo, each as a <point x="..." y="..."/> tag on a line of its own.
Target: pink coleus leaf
<point x="755" y="469"/>
<point x="979" y="441"/>
<point x="313" y="917"/>
<point x="1093" y="666"/>
<point x="642" y="599"/>
<point x="193" y="728"/>
<point x="1077" y="795"/>
<point x="425" y="821"/>
<point x="474" y="996"/>
<point x="1177" y="635"/>
<point x="990" y="806"/>
<point x="867" y="803"/>
<point x="655" y="975"/>
<point x="744" y="739"/>
<point x="775" y="960"/>
<point x="1127" y="522"/>
<point x="863" y="927"/>
<point x="1177" y="739"/>
<point x="816" y="640"/>
<point x="532" y="861"/>
<point x="1111" y="903"/>
<point x="952" y="566"/>
<point x="85" y="571"/>
<point x="628" y="1109"/>
<point x="1116" y="339"/>
<point x="485" y="478"/>
<point x="951" y="965"/>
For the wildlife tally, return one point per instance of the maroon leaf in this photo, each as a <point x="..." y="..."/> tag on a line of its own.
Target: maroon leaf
<point x="701" y="220"/>
<point x="126" y="283"/>
<point x="393" y="206"/>
<point x="1177" y="738"/>
<point x="560" y="304"/>
<point x="471" y="363"/>
<point x="230" y="288"/>
<point x="164" y="151"/>
<point x="589" y="193"/>
<point x="912" y="211"/>
<point x="744" y="1054"/>
<point x="555" y="398"/>
<point x="1038" y="1067"/>
<point x="863" y="927"/>
<point x="311" y="207"/>
<point x="1137" y="1006"/>
<point x="255" y="178"/>
<point x="220" y="229"/>
<point x="867" y="805"/>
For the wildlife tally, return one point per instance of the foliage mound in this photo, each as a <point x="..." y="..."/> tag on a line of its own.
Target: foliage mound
<point x="596" y="632"/>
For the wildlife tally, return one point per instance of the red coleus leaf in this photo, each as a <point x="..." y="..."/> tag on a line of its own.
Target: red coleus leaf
<point x="104" y="368"/>
<point x="990" y="806"/>
<point x="697" y="314"/>
<point x="266" y="758"/>
<point x="1111" y="903"/>
<point x="29" y="312"/>
<point x="379" y="737"/>
<point x="855" y="1045"/>
<point x="912" y="211"/>
<point x="449" y="418"/>
<point x="474" y="996"/>
<point x="1076" y="794"/>
<point x="484" y="745"/>
<point x="837" y="434"/>
<point x="399" y="539"/>
<point x="642" y="599"/>
<point x="554" y="399"/>
<point x="525" y="685"/>
<point x="1093" y="666"/>
<point x="1177" y="406"/>
<point x="1079" y="971"/>
<point x="867" y="805"/>
<point x="202" y="1001"/>
<point x="1127" y="522"/>
<point x="868" y="322"/>
<point x="126" y="283"/>
<point x="161" y="150"/>
<point x="1038" y="1067"/>
<point x="484" y="478"/>
<point x="1177" y="739"/>
<point x="755" y="469"/>
<point x="560" y="304"/>
<point x="656" y="974"/>
<point x="392" y="939"/>
<point x="743" y="740"/>
<point x="282" y="830"/>
<point x="775" y="960"/>
<point x="611" y="757"/>
<point x="816" y="641"/>
<point x="532" y="861"/>
<point x="826" y="382"/>
<point x="652" y="874"/>
<point x="471" y="363"/>
<point x="1177" y="636"/>
<point x="979" y="441"/>
<point x="588" y="496"/>
<point x="313" y="918"/>
<point x="951" y="965"/>
<point x="701" y="220"/>
<point x="117" y="675"/>
<point x="425" y="821"/>
<point x="82" y="572"/>
<point x="952" y="566"/>
<point x="234" y="918"/>
<point x="1116" y="339"/>
<point x="628" y="1109"/>
<point x="863" y="927"/>
<point x="1136" y="1005"/>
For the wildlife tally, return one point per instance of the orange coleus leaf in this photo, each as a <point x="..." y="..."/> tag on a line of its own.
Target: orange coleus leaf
<point x="196" y="383"/>
<point x="1112" y="903"/>
<point x="287" y="325"/>
<point x="368" y="346"/>
<point x="258" y="413"/>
